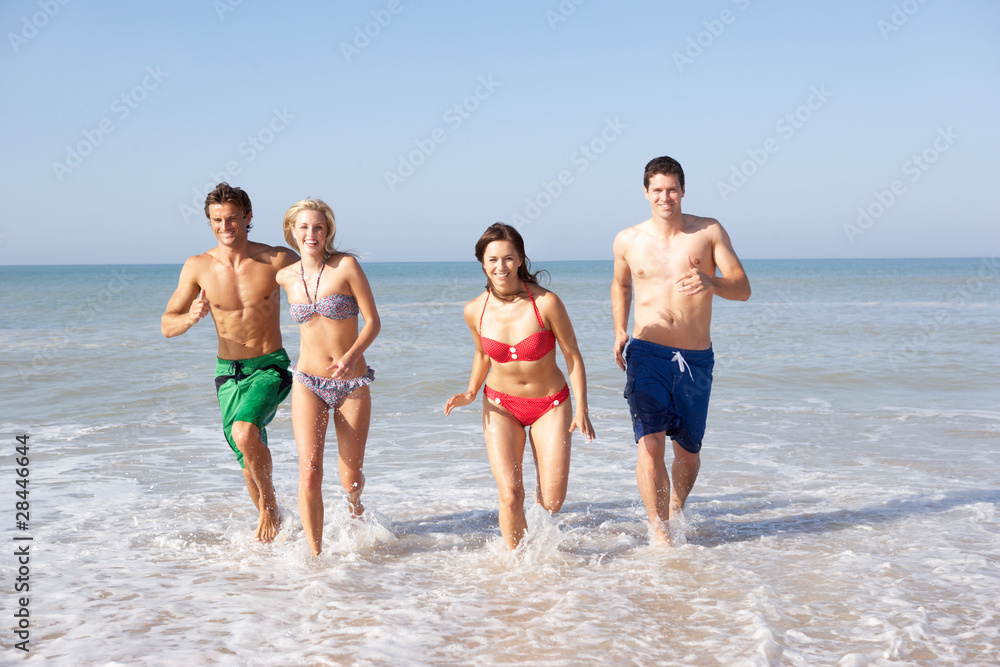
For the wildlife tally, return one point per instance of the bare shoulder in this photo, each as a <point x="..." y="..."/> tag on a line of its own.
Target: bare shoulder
<point x="287" y="273"/>
<point x="196" y="264"/>
<point x="277" y="256"/>
<point x="475" y="307"/>
<point x="625" y="237"/>
<point x="544" y="298"/>
<point x="697" y="223"/>
<point x="348" y="264"/>
<point x="472" y="311"/>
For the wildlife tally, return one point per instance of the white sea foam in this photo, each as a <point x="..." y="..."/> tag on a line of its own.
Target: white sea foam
<point x="846" y="518"/>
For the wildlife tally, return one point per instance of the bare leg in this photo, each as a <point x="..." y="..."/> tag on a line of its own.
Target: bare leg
<point x="654" y="484"/>
<point x="505" y="445"/>
<point x="538" y="473"/>
<point x="685" y="471"/>
<point x="352" y="420"/>
<point x="257" y="459"/>
<point x="550" y="445"/>
<point x="309" y="422"/>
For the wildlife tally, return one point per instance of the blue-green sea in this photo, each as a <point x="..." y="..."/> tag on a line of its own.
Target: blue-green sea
<point x="847" y="512"/>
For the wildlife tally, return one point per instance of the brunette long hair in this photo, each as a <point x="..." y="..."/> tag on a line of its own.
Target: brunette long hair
<point x="499" y="231"/>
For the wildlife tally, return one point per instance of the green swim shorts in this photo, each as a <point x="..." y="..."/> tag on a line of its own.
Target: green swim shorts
<point x="250" y="390"/>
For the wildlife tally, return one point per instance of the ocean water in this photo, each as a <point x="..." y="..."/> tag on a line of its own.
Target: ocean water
<point x="847" y="512"/>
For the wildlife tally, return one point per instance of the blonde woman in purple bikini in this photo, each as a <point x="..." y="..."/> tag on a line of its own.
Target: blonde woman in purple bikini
<point x="327" y="290"/>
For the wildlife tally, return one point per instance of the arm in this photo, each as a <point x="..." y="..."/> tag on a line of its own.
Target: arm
<point x="733" y="284"/>
<point x="621" y="298"/>
<point x="562" y="327"/>
<point x="343" y="368"/>
<point x="284" y="257"/>
<point x="480" y="364"/>
<point x="188" y="304"/>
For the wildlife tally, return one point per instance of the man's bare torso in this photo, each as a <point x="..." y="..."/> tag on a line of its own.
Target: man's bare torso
<point x="245" y="300"/>
<point x="662" y="314"/>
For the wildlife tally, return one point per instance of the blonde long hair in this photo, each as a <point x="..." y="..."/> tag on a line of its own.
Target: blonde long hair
<point x="312" y="205"/>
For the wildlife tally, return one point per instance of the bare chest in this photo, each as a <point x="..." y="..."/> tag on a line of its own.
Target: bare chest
<point x="250" y="287"/>
<point x="663" y="262"/>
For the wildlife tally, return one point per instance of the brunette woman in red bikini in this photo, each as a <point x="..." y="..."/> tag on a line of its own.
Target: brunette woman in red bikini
<point x="516" y="324"/>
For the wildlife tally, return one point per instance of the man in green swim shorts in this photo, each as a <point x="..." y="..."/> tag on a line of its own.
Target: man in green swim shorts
<point x="235" y="283"/>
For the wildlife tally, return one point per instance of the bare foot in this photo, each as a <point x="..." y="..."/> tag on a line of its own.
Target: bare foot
<point x="268" y="525"/>
<point x="357" y="509"/>
<point x="676" y="505"/>
<point x="354" y="499"/>
<point x="661" y="534"/>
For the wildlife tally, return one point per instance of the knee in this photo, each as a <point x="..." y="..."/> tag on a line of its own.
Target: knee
<point x="512" y="495"/>
<point x="245" y="435"/>
<point x="687" y="459"/>
<point x="311" y="475"/>
<point x="652" y="448"/>
<point x="552" y="505"/>
<point x="353" y="481"/>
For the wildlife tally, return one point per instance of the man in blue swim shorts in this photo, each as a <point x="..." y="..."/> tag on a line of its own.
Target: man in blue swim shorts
<point x="667" y="390"/>
<point x="672" y="264"/>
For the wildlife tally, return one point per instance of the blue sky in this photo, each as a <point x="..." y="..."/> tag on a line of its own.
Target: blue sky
<point x="810" y="130"/>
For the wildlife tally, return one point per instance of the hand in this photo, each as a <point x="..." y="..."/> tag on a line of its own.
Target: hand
<point x="200" y="307"/>
<point x="621" y="340"/>
<point x="342" y="368"/>
<point x="458" y="400"/>
<point x="693" y="281"/>
<point x="582" y="419"/>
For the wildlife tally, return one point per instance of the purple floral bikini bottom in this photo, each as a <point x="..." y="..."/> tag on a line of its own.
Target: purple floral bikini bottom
<point x="333" y="392"/>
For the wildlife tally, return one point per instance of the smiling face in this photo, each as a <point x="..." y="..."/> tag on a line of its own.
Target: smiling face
<point x="310" y="232"/>
<point x="664" y="194"/>
<point x="228" y="223"/>
<point x="500" y="263"/>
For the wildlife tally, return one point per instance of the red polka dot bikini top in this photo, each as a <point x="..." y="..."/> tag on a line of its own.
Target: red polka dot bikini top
<point x="532" y="348"/>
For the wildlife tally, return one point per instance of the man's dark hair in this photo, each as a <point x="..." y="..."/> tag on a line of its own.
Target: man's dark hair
<point x="663" y="165"/>
<point x="224" y="193"/>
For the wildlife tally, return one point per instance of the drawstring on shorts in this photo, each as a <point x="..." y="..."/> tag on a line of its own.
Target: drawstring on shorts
<point x="682" y="363"/>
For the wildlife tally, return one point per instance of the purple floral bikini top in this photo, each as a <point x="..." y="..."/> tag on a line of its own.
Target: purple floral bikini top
<point x="333" y="306"/>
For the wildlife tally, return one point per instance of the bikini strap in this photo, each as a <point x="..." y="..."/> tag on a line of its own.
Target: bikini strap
<point x="302" y="274"/>
<point x="483" y="313"/>
<point x="537" y="314"/>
